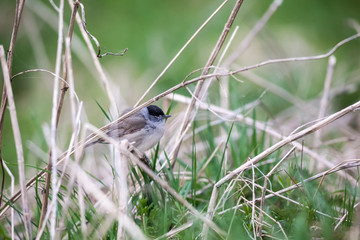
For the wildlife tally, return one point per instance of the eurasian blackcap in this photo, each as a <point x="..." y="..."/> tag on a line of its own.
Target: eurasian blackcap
<point x="143" y="129"/>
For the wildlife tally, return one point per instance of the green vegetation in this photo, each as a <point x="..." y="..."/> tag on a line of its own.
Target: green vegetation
<point x="232" y="178"/>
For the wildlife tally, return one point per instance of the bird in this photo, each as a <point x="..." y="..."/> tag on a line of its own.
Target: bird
<point x="143" y="129"/>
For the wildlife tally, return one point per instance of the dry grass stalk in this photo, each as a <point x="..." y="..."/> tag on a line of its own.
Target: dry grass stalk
<point x="17" y="138"/>
<point x="18" y="13"/>
<point x="325" y="97"/>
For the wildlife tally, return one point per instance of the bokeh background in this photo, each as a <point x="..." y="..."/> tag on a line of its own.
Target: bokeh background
<point x="154" y="31"/>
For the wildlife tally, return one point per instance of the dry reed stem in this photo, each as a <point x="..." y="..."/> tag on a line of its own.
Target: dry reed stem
<point x="53" y="124"/>
<point x="72" y="174"/>
<point x="18" y="143"/>
<point x="199" y="91"/>
<point x="82" y="209"/>
<point x="253" y="209"/>
<point x="75" y="117"/>
<point x="180" y="51"/>
<point x="325" y="97"/>
<point x="18" y="13"/>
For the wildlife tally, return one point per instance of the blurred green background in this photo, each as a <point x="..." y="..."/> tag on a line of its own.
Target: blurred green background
<point x="154" y="31"/>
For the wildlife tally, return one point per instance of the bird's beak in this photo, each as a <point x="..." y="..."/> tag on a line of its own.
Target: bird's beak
<point x="167" y="116"/>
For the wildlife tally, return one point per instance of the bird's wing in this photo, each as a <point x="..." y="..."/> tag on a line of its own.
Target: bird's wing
<point x="127" y="126"/>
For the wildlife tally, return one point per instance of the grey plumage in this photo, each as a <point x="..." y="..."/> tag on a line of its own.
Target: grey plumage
<point x="143" y="129"/>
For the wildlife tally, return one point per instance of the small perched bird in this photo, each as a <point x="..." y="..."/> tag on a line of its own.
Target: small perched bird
<point x="143" y="129"/>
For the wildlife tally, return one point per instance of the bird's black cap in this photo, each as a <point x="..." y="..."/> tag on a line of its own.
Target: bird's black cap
<point x="156" y="111"/>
